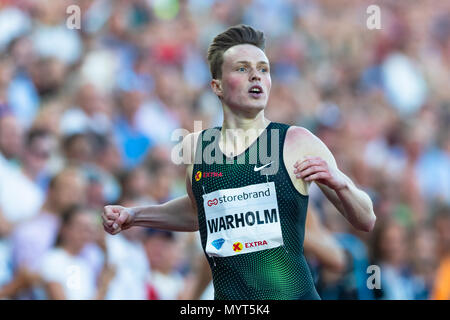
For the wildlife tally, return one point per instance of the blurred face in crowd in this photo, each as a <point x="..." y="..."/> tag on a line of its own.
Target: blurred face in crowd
<point x="442" y="227"/>
<point x="10" y="137"/>
<point x="69" y="189"/>
<point x="109" y="158"/>
<point x="79" y="231"/>
<point x="168" y="86"/>
<point x="130" y="103"/>
<point x="48" y="75"/>
<point x="424" y="253"/>
<point x="79" y="150"/>
<point x="51" y="12"/>
<point x="163" y="253"/>
<point x="393" y="245"/>
<point x="244" y="66"/>
<point x="137" y="182"/>
<point x="89" y="99"/>
<point x="22" y="51"/>
<point x="6" y="72"/>
<point x="161" y="183"/>
<point x="37" y="154"/>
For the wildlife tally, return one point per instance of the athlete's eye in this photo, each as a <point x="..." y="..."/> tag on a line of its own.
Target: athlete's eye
<point x="264" y="69"/>
<point x="241" y="69"/>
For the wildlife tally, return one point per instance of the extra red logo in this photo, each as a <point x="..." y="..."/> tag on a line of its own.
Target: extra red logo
<point x="212" y="202"/>
<point x="200" y="175"/>
<point x="255" y="244"/>
<point x="212" y="174"/>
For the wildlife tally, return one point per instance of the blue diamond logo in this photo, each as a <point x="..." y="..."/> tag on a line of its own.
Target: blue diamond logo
<point x="218" y="243"/>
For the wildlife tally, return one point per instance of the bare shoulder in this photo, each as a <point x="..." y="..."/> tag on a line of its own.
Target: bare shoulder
<point x="301" y="142"/>
<point x="299" y="136"/>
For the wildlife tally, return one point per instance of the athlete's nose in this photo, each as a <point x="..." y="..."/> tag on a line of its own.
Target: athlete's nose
<point x="254" y="76"/>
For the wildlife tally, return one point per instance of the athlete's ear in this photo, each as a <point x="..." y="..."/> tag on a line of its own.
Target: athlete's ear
<point x="216" y="86"/>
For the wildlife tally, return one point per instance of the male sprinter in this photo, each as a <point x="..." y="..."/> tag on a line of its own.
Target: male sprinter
<point x="250" y="211"/>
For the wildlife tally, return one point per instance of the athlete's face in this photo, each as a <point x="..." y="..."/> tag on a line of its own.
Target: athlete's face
<point x="245" y="79"/>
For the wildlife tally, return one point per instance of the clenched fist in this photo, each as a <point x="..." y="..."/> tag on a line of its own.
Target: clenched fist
<point x="117" y="218"/>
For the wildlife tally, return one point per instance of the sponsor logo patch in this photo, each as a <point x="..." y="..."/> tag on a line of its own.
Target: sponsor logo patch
<point x="255" y="244"/>
<point x="218" y="243"/>
<point x="237" y="246"/>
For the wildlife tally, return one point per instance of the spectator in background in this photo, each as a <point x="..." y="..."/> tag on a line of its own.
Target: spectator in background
<point x="390" y="252"/>
<point x="441" y="290"/>
<point x="107" y="166"/>
<point x="127" y="256"/>
<point x="78" y="150"/>
<point x="135" y="185"/>
<point x="11" y="134"/>
<point x="50" y="28"/>
<point x="351" y="281"/>
<point x="40" y="145"/>
<point x="88" y="115"/>
<point x="139" y="69"/>
<point x="48" y="76"/>
<point x="163" y="252"/>
<point x="22" y="94"/>
<point x="133" y="143"/>
<point x="424" y="258"/>
<point x="29" y="182"/>
<point x="162" y="174"/>
<point x="6" y="73"/>
<point x="32" y="239"/>
<point x="66" y="274"/>
<point x="159" y="117"/>
<point x="433" y="167"/>
<point x="6" y="268"/>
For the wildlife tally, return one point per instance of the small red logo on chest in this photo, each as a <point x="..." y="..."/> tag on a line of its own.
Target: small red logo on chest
<point x="255" y="244"/>
<point x="212" y="174"/>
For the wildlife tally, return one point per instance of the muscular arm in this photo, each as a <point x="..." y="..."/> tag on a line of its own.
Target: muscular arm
<point x="175" y="215"/>
<point x="179" y="214"/>
<point x="316" y="163"/>
<point x="353" y="203"/>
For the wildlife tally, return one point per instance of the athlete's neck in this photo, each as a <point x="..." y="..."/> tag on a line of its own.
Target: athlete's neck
<point x="239" y="132"/>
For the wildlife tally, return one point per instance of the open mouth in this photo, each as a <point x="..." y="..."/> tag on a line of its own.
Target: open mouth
<point x="256" y="91"/>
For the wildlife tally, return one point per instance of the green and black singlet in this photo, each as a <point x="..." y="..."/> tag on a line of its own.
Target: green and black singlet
<point x="251" y="223"/>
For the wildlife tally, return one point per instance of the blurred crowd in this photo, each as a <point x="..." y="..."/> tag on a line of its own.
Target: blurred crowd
<point x="87" y="116"/>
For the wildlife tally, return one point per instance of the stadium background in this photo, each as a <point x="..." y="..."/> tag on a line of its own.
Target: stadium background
<point x="100" y="103"/>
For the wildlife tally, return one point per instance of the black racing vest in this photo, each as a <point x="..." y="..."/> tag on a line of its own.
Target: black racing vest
<point x="251" y="222"/>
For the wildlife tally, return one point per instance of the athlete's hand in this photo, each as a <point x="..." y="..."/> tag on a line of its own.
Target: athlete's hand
<point x="316" y="169"/>
<point x="117" y="218"/>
